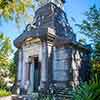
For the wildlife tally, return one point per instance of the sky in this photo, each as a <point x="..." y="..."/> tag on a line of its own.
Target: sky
<point x="73" y="8"/>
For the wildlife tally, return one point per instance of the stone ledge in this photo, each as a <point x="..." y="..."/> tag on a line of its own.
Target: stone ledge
<point x="6" y="98"/>
<point x="23" y="97"/>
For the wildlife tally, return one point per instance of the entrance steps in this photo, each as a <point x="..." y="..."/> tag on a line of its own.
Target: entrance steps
<point x="59" y="95"/>
<point x="33" y="96"/>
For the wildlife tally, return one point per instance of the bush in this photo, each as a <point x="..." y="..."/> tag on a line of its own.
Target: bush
<point x="4" y="93"/>
<point x="87" y="91"/>
<point x="3" y="85"/>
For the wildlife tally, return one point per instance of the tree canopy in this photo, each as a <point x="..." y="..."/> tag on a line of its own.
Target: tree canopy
<point x="5" y="50"/>
<point x="91" y="25"/>
<point x="5" y="54"/>
<point x="14" y="9"/>
<point x="91" y="28"/>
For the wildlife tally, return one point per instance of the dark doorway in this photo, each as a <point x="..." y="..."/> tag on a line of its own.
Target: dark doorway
<point x="36" y="73"/>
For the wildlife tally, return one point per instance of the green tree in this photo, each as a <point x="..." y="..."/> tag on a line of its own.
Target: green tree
<point x="91" y="28"/>
<point x="12" y="9"/>
<point x="87" y="91"/>
<point x="96" y="59"/>
<point x="13" y="66"/>
<point x="5" y="50"/>
<point x="17" y="9"/>
<point x="5" y="53"/>
<point x="91" y="25"/>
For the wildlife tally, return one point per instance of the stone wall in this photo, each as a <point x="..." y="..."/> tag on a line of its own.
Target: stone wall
<point x="61" y="66"/>
<point x="69" y="66"/>
<point x="28" y="49"/>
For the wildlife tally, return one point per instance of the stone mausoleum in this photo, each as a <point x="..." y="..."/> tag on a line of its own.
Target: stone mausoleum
<point x="49" y="53"/>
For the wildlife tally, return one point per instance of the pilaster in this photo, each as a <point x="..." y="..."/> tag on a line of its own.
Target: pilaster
<point x="31" y="86"/>
<point x="44" y="66"/>
<point x="20" y="65"/>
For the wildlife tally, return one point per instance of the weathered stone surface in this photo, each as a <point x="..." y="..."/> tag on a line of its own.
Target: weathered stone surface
<point x="62" y="61"/>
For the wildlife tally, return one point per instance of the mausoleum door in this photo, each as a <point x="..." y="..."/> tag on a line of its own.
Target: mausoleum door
<point x="34" y="74"/>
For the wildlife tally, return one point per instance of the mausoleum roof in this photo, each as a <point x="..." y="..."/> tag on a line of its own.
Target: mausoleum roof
<point x="34" y="33"/>
<point x="65" y="41"/>
<point x="50" y="22"/>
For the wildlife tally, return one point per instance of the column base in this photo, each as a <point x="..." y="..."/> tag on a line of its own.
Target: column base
<point x="43" y="86"/>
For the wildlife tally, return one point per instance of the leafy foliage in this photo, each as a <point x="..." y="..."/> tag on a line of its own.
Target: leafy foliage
<point x="13" y="66"/>
<point x="91" y="25"/>
<point x="3" y="85"/>
<point x="91" y="28"/>
<point x="5" y="53"/>
<point x="4" y="93"/>
<point x="17" y="10"/>
<point x="96" y="58"/>
<point x="5" y="50"/>
<point x="10" y="9"/>
<point x="87" y="91"/>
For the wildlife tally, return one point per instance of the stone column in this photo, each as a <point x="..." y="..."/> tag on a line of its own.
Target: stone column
<point x="76" y="63"/>
<point x="20" y="70"/>
<point x="19" y="76"/>
<point x="31" y="85"/>
<point x="44" y="66"/>
<point x="24" y="64"/>
<point x="20" y="66"/>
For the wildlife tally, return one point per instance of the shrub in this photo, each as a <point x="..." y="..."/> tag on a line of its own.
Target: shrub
<point x="4" y="93"/>
<point x="87" y="91"/>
